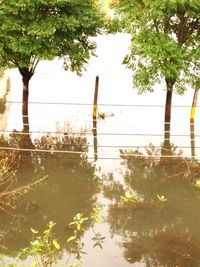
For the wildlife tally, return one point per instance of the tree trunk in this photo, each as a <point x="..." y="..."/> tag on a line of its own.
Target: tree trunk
<point x="166" y="146"/>
<point x="25" y="95"/>
<point x="26" y="76"/>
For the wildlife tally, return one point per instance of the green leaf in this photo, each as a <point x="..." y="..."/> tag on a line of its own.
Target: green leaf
<point x="197" y="182"/>
<point x="51" y="224"/>
<point x="71" y="238"/>
<point x="158" y="52"/>
<point x="43" y="30"/>
<point x="162" y="198"/>
<point x="56" y="244"/>
<point x="46" y="232"/>
<point x="34" y="231"/>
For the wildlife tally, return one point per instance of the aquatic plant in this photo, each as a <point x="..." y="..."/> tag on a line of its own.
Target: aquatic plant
<point x="47" y="250"/>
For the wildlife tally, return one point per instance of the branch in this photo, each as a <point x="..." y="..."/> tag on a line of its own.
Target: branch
<point x="193" y="26"/>
<point x="34" y="63"/>
<point x="182" y="28"/>
<point x="15" y="62"/>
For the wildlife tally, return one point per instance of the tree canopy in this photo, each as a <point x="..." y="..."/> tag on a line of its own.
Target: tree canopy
<point x="31" y="30"/>
<point x="165" y="39"/>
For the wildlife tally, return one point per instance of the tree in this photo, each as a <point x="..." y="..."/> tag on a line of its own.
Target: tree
<point x="42" y="30"/>
<point x="165" y="39"/>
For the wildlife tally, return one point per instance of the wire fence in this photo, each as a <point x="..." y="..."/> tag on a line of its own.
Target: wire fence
<point x="90" y="131"/>
<point x="99" y="133"/>
<point x="100" y="104"/>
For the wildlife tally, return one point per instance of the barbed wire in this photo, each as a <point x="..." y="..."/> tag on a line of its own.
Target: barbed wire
<point x="98" y="134"/>
<point x="99" y="104"/>
<point x="86" y="123"/>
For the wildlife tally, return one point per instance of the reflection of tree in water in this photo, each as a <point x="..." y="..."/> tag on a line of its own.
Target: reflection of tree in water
<point x="70" y="188"/>
<point x="159" y="233"/>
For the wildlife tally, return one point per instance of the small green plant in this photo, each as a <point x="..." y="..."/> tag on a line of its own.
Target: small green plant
<point x="75" y="244"/>
<point x="97" y="214"/>
<point x="161" y="198"/>
<point x="103" y="115"/>
<point x="127" y="198"/>
<point x="78" y="222"/>
<point x="44" y="248"/>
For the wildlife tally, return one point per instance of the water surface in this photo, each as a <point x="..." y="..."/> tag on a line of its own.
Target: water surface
<point x="144" y="232"/>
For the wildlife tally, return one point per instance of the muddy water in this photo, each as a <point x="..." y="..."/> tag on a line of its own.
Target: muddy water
<point x="158" y="224"/>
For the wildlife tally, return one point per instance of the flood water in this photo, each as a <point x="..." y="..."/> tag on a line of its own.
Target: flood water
<point x="150" y="205"/>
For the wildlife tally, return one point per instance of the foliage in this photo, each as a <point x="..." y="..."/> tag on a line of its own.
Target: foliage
<point x="128" y="198"/>
<point x="161" y="198"/>
<point x="42" y="30"/>
<point x="46" y="249"/>
<point x="75" y="244"/>
<point x="104" y="115"/>
<point x="165" y="39"/>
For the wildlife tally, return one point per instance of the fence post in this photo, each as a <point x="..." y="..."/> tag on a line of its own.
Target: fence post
<point x="94" y="116"/>
<point x="192" y="116"/>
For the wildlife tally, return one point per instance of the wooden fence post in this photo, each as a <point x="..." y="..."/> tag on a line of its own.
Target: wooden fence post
<point x="192" y="116"/>
<point x="94" y="116"/>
